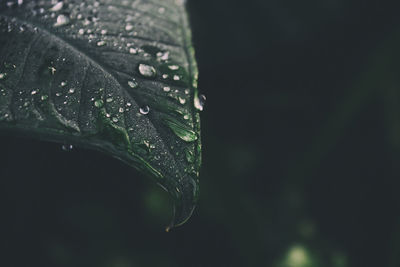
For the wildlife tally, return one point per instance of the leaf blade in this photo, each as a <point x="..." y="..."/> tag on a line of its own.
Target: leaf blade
<point x="78" y="80"/>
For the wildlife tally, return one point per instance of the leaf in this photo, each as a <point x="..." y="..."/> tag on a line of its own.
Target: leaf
<point x="117" y="76"/>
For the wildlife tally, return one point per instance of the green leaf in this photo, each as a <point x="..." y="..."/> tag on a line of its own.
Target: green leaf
<point x="117" y="76"/>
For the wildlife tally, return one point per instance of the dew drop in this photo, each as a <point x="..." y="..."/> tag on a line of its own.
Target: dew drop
<point x="34" y="92"/>
<point x="121" y="110"/>
<point x="182" y="100"/>
<point x="128" y="27"/>
<point x="71" y="90"/>
<point x="167" y="89"/>
<point x="44" y="97"/>
<point x="115" y="119"/>
<point x="173" y="67"/>
<point x="176" y="78"/>
<point x="109" y="100"/>
<point x="101" y="43"/>
<point x="61" y="20"/>
<point x="103" y="32"/>
<point x="133" y="51"/>
<point x="133" y="84"/>
<point x="144" y="110"/>
<point x="63" y="84"/>
<point x="57" y="7"/>
<point x="147" y="70"/>
<point x="199" y="102"/>
<point x="98" y="103"/>
<point x="81" y="31"/>
<point x="2" y="75"/>
<point x="67" y="147"/>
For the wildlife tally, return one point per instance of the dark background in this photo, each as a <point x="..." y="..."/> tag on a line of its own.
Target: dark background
<point x="301" y="137"/>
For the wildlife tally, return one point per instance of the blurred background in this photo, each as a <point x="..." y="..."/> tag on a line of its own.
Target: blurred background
<point x="301" y="136"/>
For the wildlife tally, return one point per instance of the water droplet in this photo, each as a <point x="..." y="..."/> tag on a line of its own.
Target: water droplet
<point x="81" y="31"/>
<point x="173" y="67"/>
<point x="98" y="103"/>
<point x="199" y="101"/>
<point x="63" y="84"/>
<point x="67" y="147"/>
<point x="133" y="51"/>
<point x="182" y="100"/>
<point x="2" y="75"/>
<point x="44" y="97"/>
<point x="109" y="100"/>
<point x="101" y="43"/>
<point x="144" y="110"/>
<point x="128" y="104"/>
<point x="52" y="70"/>
<point x="176" y="78"/>
<point x="61" y="20"/>
<point x="147" y="70"/>
<point x="34" y="92"/>
<point x="20" y="2"/>
<point x="121" y="110"/>
<point x="167" y="89"/>
<point x="165" y="76"/>
<point x="103" y="32"/>
<point x="186" y="117"/>
<point x="128" y="27"/>
<point x="71" y="90"/>
<point x="115" y="119"/>
<point x="57" y="7"/>
<point x="133" y="84"/>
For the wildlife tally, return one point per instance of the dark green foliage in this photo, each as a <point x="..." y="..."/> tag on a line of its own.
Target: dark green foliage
<point x="115" y="76"/>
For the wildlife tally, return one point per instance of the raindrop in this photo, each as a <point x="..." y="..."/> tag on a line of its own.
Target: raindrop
<point x="182" y="100"/>
<point x="167" y="89"/>
<point x="71" y="90"/>
<point x="133" y="84"/>
<point x="63" y="84"/>
<point x="98" y="103"/>
<point x="34" y="92"/>
<point x="52" y="70"/>
<point x="67" y="147"/>
<point x="101" y="43"/>
<point x="2" y="75"/>
<point x="173" y="67"/>
<point x="61" y="20"/>
<point x="176" y="78"/>
<point x="121" y="110"/>
<point x="57" y="7"/>
<point x="199" y="102"/>
<point x="147" y="71"/>
<point x="133" y="51"/>
<point x="165" y="76"/>
<point x="144" y="110"/>
<point x="128" y="27"/>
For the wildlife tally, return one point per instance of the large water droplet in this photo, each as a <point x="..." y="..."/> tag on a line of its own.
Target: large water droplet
<point x="167" y="89"/>
<point x="144" y="110"/>
<point x="61" y="20"/>
<point x="57" y="7"/>
<point x="147" y="70"/>
<point x="199" y="101"/>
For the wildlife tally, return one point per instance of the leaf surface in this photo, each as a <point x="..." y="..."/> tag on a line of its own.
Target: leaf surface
<point x="117" y="76"/>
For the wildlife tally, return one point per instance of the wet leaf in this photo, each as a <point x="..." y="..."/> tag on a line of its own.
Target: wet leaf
<point x="117" y="76"/>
